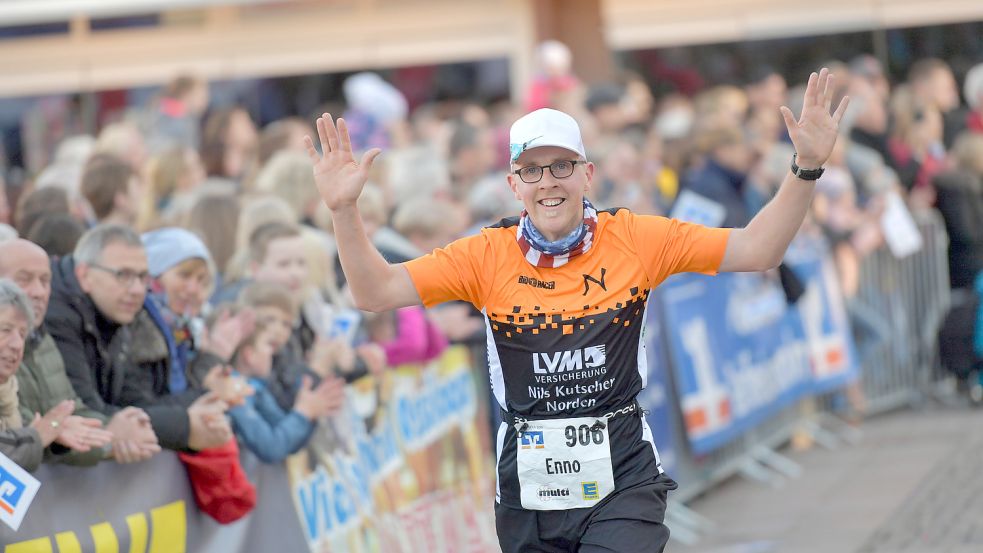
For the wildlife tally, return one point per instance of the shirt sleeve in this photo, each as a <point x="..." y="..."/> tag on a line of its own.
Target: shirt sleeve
<point x="453" y="272"/>
<point x="670" y="246"/>
<point x="268" y="431"/>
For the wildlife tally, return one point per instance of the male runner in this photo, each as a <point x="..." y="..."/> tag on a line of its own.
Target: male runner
<point x="564" y="289"/>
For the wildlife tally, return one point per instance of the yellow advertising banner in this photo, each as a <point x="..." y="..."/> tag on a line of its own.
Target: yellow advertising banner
<point x="407" y="468"/>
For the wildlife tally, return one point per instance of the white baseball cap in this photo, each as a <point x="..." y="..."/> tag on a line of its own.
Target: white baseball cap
<point x="545" y="127"/>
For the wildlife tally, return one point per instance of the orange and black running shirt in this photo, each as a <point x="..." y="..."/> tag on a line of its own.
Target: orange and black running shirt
<point x="567" y="341"/>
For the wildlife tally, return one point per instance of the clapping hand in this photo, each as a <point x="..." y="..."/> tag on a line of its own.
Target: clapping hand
<point x="228" y="331"/>
<point x="232" y="389"/>
<point x="209" y="427"/>
<point x="325" y="399"/>
<point x="59" y="426"/>
<point x="134" y="439"/>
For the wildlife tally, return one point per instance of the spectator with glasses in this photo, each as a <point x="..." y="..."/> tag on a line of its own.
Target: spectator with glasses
<point x="96" y="295"/>
<point x="42" y="381"/>
<point x="563" y="289"/>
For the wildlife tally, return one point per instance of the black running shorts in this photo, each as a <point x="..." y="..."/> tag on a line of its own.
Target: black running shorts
<point x="627" y="521"/>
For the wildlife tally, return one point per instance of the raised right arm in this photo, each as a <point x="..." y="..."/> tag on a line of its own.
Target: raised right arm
<point x="376" y="285"/>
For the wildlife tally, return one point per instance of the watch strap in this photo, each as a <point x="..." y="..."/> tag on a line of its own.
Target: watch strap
<point x="805" y="174"/>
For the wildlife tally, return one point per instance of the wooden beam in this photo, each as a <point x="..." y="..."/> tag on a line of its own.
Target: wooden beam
<point x="236" y="44"/>
<point x="247" y="41"/>
<point x="637" y="24"/>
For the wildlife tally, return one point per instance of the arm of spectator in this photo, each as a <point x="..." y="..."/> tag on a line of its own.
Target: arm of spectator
<point x="201" y="367"/>
<point x="28" y="444"/>
<point x="223" y="339"/>
<point x="274" y="439"/>
<point x="285" y="380"/>
<point x="171" y="424"/>
<point x="321" y="400"/>
<point x="762" y="243"/>
<point x="454" y="321"/>
<point x="410" y="342"/>
<point x="47" y="424"/>
<point x="134" y="439"/>
<point x="82" y="434"/>
<point x="334" y="357"/>
<point x="372" y="357"/>
<point x="437" y="341"/>
<point x="83" y="410"/>
<point x="208" y="426"/>
<point x="232" y="389"/>
<point x="376" y="285"/>
<point x="141" y="390"/>
<point x="57" y="453"/>
<point x="23" y="446"/>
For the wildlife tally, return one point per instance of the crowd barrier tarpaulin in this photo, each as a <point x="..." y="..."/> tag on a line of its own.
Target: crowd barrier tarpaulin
<point x="740" y="353"/>
<point x="407" y="467"/>
<point x="833" y="354"/>
<point x="149" y="508"/>
<point x="656" y="398"/>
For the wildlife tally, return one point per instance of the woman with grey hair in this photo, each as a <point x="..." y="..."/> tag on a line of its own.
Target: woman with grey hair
<point x="25" y="444"/>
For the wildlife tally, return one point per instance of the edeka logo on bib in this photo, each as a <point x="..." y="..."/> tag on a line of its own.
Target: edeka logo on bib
<point x="591" y="357"/>
<point x="590" y="490"/>
<point x="532" y="440"/>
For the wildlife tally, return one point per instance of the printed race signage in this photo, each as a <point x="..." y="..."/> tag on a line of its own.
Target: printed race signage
<point x="740" y="353"/>
<point x="412" y="471"/>
<point x="17" y="490"/>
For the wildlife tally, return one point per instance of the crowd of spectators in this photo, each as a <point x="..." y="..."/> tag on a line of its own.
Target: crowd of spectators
<point x="172" y="283"/>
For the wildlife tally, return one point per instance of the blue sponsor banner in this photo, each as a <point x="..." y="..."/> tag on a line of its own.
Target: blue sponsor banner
<point x="656" y="396"/>
<point x="833" y="353"/>
<point x="740" y="353"/>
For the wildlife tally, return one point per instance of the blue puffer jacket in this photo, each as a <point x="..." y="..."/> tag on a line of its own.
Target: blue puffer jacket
<point x="267" y="430"/>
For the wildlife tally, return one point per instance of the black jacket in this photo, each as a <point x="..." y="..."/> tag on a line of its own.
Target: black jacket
<point x="100" y="359"/>
<point x="960" y="201"/>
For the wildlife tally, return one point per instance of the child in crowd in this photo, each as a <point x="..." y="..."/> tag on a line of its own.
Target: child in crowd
<point x="267" y="430"/>
<point x="277" y="258"/>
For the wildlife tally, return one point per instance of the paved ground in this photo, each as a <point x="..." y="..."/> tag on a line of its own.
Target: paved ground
<point x="914" y="483"/>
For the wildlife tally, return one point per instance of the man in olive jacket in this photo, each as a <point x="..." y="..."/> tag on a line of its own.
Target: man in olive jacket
<point x="42" y="380"/>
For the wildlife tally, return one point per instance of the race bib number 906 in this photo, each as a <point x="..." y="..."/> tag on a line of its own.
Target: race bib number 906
<point x="564" y="464"/>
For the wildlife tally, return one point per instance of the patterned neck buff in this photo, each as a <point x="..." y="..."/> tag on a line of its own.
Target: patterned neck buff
<point x="543" y="253"/>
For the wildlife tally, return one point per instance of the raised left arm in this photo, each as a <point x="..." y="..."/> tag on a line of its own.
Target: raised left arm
<point x="762" y="243"/>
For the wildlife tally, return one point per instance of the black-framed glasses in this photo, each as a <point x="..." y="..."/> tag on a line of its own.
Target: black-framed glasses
<point x="559" y="169"/>
<point x="125" y="277"/>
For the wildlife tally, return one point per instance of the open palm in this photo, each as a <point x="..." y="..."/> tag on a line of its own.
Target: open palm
<point x="814" y="134"/>
<point x="339" y="178"/>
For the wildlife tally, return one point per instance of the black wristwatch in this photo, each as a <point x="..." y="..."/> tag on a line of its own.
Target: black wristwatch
<point x="806" y="174"/>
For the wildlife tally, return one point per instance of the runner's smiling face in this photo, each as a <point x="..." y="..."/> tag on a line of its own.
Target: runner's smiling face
<point x="555" y="205"/>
